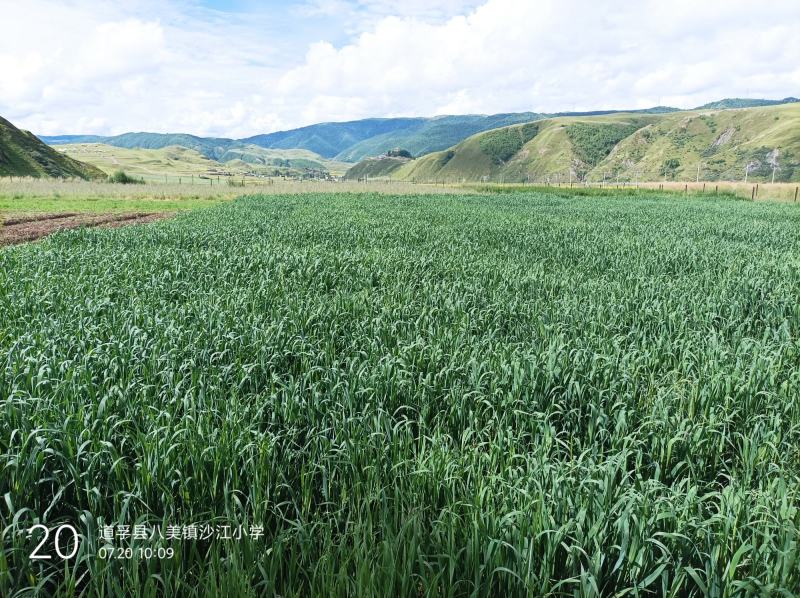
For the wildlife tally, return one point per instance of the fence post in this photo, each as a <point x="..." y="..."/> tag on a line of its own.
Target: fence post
<point x="753" y="194"/>
<point x="795" y="193"/>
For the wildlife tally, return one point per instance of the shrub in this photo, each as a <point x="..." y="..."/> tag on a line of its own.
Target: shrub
<point x="501" y="145"/>
<point x="446" y="157"/>
<point x="592" y="143"/>
<point x="529" y="131"/>
<point x="124" y="179"/>
<point x="399" y="153"/>
<point x="670" y="167"/>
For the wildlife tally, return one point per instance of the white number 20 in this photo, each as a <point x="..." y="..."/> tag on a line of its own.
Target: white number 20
<point x="35" y="554"/>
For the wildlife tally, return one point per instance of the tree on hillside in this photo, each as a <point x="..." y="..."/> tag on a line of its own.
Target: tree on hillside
<point x="399" y="153"/>
<point x="670" y="168"/>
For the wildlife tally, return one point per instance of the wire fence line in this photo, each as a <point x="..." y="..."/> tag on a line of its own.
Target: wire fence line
<point x="188" y="186"/>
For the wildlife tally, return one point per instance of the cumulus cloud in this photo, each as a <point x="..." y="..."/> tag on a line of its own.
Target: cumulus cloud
<point x="559" y="54"/>
<point x="89" y="66"/>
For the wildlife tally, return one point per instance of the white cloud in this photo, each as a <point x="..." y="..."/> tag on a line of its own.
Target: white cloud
<point x="556" y="55"/>
<point x="91" y="66"/>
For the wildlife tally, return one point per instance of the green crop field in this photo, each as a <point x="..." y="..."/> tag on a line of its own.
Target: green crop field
<point x="452" y="395"/>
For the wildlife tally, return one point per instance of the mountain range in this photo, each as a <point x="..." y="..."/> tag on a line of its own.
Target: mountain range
<point x="355" y="140"/>
<point x="761" y="137"/>
<point x="342" y="141"/>
<point x="706" y="144"/>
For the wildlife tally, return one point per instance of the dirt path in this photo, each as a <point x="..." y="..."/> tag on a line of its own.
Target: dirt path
<point x="19" y="229"/>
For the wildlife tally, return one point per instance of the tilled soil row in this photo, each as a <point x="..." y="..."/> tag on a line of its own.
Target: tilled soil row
<point x="37" y="218"/>
<point x="20" y="230"/>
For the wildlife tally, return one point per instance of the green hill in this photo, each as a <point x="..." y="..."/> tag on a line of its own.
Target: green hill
<point x="628" y="146"/>
<point x="721" y="144"/>
<point x="284" y="158"/>
<point x="24" y="154"/>
<point x="330" y="140"/>
<point x="326" y="139"/>
<point x="355" y="140"/>
<point x="352" y="141"/>
<point x="176" y="161"/>
<point x="210" y="147"/>
<point x="374" y="168"/>
<point x="432" y="134"/>
<point x="744" y="103"/>
<point x="341" y="141"/>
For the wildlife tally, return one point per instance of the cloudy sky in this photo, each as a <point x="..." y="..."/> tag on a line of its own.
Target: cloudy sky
<point x="239" y="67"/>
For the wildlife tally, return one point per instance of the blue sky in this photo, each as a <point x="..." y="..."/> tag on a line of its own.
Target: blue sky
<point x="241" y="67"/>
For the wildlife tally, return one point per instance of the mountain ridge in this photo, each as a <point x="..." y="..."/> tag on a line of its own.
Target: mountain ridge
<point x="348" y="141"/>
<point x="709" y="145"/>
<point x="351" y="141"/>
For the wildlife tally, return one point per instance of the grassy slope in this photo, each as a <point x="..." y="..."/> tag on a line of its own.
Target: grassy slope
<point x="434" y="134"/>
<point x="443" y="132"/>
<point x="331" y="139"/>
<point x="549" y="150"/>
<point x="343" y="141"/>
<point x="292" y="158"/>
<point x="153" y="164"/>
<point x="150" y="164"/>
<point x="23" y="154"/>
<point x="744" y="103"/>
<point x="686" y="137"/>
<point x="354" y="140"/>
<point x="376" y="168"/>
<point x="324" y="139"/>
<point x="721" y="142"/>
<point x="211" y="147"/>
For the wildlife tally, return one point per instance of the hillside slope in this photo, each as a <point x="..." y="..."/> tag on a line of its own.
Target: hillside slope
<point x="24" y="154"/>
<point x="744" y="103"/>
<point x="343" y="141"/>
<point x="380" y="167"/>
<point x="709" y="144"/>
<point x="176" y="161"/>
<point x="326" y="139"/>
<point x="210" y="147"/>
<point x="352" y="141"/>
<point x="713" y="145"/>
<point x="329" y="140"/>
<point x="433" y="134"/>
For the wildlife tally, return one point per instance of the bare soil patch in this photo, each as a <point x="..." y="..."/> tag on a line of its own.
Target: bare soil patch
<point x="37" y="218"/>
<point x="29" y="228"/>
